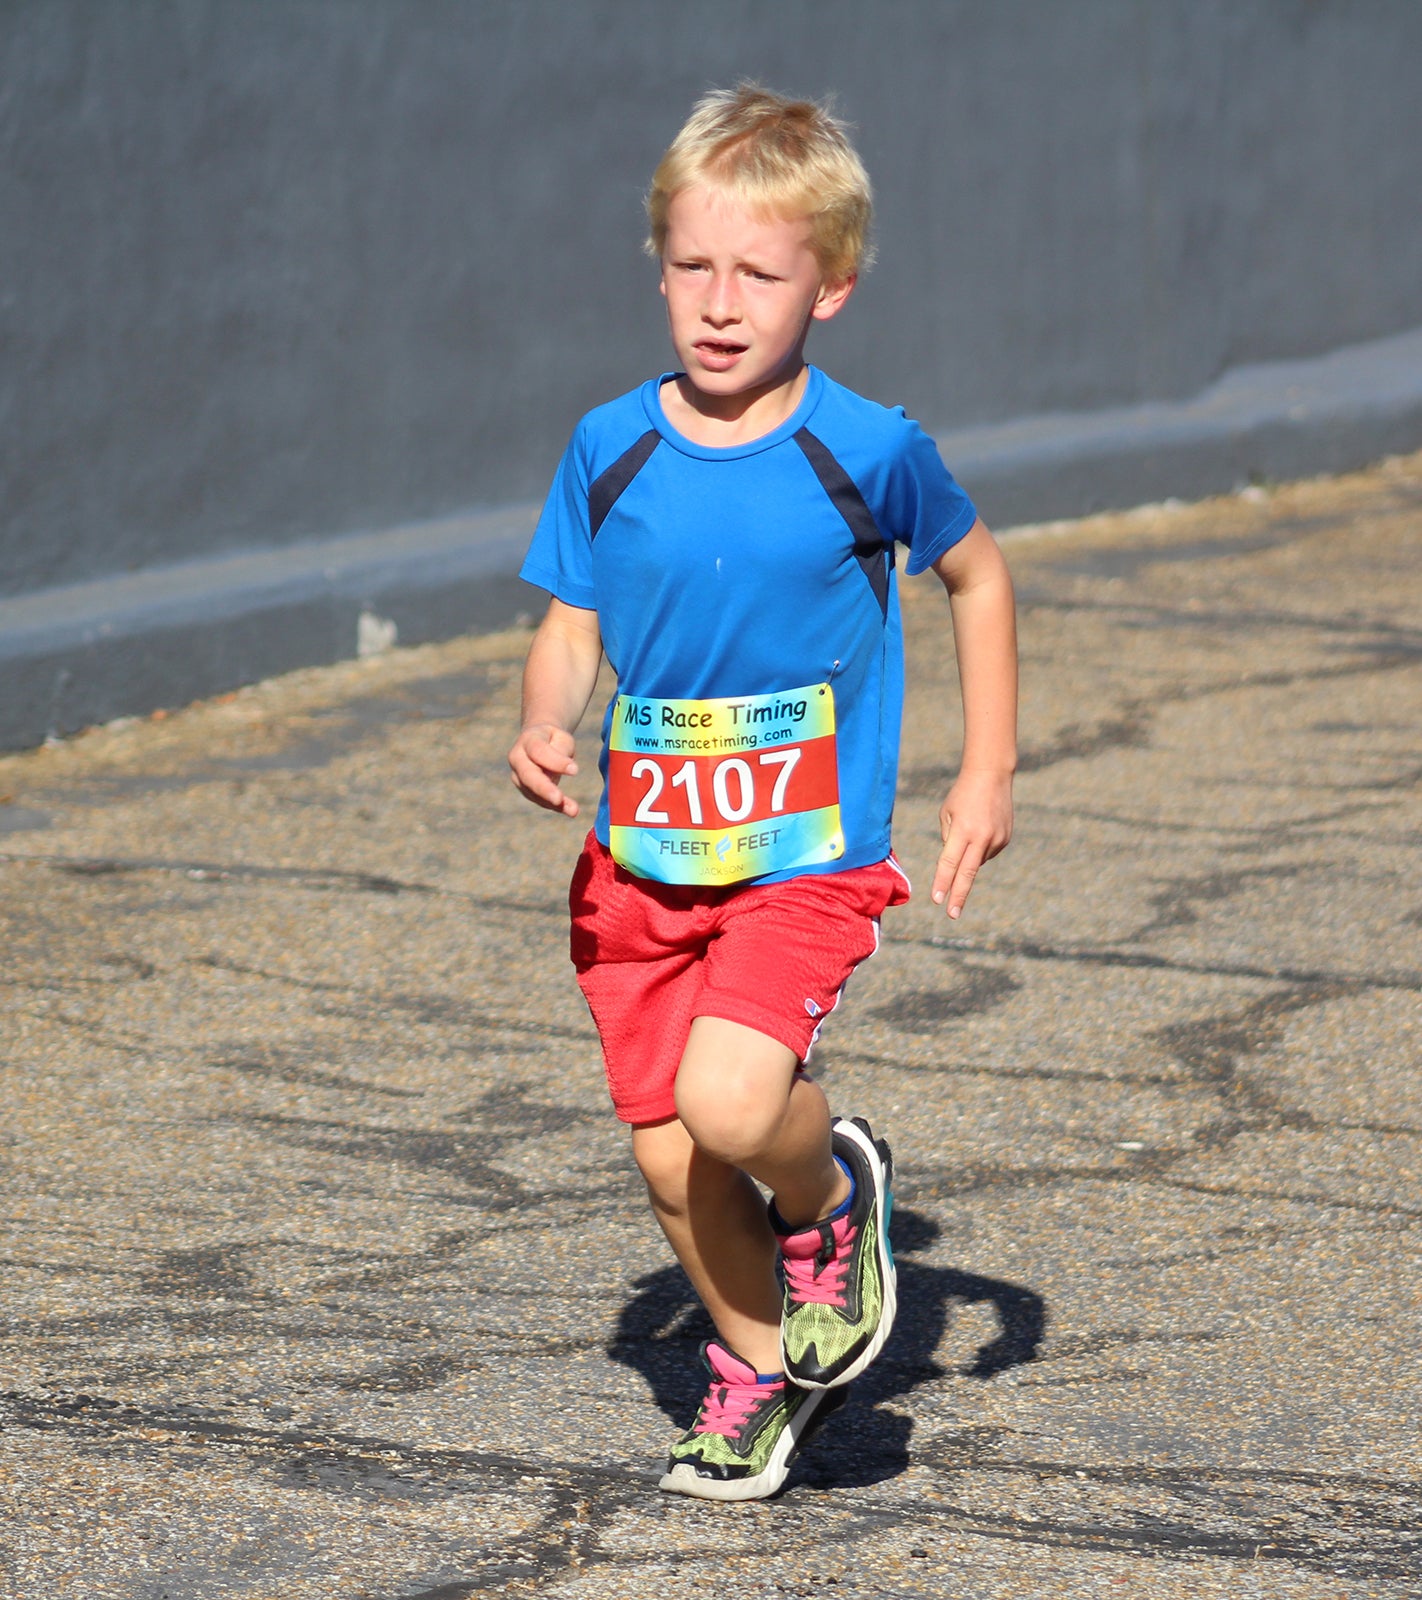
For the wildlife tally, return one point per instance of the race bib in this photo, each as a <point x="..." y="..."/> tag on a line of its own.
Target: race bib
<point x="711" y="792"/>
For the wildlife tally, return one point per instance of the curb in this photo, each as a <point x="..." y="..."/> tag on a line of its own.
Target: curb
<point x="84" y="654"/>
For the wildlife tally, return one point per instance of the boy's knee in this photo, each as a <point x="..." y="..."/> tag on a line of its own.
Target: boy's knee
<point x="664" y="1160"/>
<point x="732" y="1090"/>
<point x="682" y="1175"/>
<point x="733" y="1119"/>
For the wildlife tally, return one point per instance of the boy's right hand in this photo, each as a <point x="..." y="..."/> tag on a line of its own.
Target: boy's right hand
<point x="541" y="758"/>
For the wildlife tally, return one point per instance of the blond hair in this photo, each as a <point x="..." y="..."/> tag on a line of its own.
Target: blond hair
<point x="789" y="158"/>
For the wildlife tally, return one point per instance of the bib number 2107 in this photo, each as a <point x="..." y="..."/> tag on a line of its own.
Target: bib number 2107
<point x="717" y="791"/>
<point x="733" y="787"/>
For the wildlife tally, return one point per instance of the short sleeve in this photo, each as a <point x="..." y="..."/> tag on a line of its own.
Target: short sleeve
<point x="931" y="510"/>
<point x="560" y="556"/>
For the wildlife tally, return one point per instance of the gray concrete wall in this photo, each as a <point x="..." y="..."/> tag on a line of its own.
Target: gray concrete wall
<point x="274" y="278"/>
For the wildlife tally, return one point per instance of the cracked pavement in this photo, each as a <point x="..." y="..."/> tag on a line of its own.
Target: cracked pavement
<point x="326" y="1270"/>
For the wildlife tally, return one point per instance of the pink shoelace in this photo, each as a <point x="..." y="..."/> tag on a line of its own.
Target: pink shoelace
<point x="728" y="1406"/>
<point x="819" y="1278"/>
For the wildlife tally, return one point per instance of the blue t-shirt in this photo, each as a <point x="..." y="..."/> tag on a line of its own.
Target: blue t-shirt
<point x="756" y="569"/>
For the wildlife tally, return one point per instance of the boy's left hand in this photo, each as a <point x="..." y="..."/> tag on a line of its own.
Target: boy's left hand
<point x="976" y="823"/>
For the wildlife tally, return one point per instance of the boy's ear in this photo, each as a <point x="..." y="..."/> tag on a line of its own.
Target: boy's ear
<point x="832" y="297"/>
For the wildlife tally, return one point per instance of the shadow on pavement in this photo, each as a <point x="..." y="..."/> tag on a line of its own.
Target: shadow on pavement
<point x="661" y="1328"/>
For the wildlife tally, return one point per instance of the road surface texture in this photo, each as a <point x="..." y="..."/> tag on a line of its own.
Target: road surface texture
<point x="326" y="1273"/>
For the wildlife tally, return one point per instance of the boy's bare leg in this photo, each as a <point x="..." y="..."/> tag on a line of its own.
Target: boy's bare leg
<point x="743" y="1110"/>
<point x="715" y="1221"/>
<point x="741" y="1099"/>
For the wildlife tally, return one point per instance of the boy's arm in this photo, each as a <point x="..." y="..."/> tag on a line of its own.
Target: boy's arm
<point x="976" y="817"/>
<point x="558" y="681"/>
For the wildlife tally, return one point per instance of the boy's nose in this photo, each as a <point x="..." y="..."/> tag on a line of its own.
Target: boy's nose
<point x="721" y="305"/>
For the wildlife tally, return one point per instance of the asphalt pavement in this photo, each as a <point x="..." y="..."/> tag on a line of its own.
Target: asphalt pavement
<point x="326" y="1272"/>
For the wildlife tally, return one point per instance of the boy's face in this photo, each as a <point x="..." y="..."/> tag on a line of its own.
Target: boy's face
<point x="741" y="291"/>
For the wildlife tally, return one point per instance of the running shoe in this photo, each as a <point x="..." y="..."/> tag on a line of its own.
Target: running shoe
<point x="839" y="1274"/>
<point x="740" y="1445"/>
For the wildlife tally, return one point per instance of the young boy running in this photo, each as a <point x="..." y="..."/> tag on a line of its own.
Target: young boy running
<point x="725" y="535"/>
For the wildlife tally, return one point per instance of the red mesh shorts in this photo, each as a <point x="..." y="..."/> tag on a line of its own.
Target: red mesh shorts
<point x="774" y="957"/>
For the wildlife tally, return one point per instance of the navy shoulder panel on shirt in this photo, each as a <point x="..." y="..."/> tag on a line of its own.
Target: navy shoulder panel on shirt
<point x="897" y="469"/>
<point x="609" y="484"/>
<point x="873" y="552"/>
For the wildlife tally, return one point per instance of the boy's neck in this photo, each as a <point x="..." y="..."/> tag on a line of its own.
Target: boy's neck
<point x="727" y="420"/>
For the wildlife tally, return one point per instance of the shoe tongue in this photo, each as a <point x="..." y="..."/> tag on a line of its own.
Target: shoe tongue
<point x="727" y="1367"/>
<point x="808" y="1243"/>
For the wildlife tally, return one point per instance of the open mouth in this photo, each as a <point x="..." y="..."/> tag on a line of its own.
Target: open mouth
<point x="716" y="351"/>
